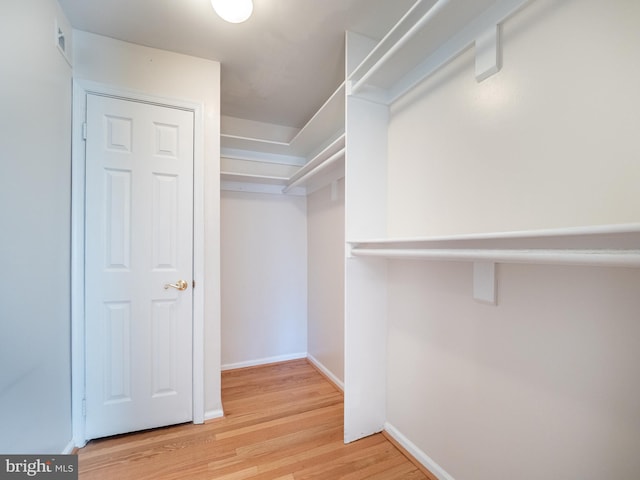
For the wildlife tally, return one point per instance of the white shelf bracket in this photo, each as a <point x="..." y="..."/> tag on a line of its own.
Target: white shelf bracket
<point x="484" y="282"/>
<point x="348" y="88"/>
<point x="488" y="53"/>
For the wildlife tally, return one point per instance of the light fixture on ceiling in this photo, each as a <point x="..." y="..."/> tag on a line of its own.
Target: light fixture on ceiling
<point x="233" y="11"/>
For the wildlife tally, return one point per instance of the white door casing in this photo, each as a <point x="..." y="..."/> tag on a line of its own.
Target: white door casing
<point x="139" y="238"/>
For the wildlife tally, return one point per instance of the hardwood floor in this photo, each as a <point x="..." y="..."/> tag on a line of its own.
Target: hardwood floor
<point x="282" y="422"/>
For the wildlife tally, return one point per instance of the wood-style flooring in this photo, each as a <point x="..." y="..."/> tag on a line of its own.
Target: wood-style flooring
<point x="282" y="422"/>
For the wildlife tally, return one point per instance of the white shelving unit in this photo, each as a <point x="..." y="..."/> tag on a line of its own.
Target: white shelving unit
<point x="426" y="38"/>
<point x="601" y="246"/>
<point x="430" y="35"/>
<point x="600" y="257"/>
<point x="365" y="278"/>
<point x="326" y="167"/>
<point x="605" y="245"/>
<point x="348" y="137"/>
<point x="423" y="40"/>
<point x="318" y="149"/>
<point x="328" y="161"/>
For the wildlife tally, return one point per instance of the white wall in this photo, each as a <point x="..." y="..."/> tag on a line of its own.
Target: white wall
<point x="174" y="76"/>
<point x="325" y="231"/>
<point x="550" y="141"/>
<point x="548" y="382"/>
<point x="35" y="189"/>
<point x="264" y="278"/>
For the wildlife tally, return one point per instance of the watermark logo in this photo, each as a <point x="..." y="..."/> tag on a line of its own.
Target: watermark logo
<point x="51" y="467"/>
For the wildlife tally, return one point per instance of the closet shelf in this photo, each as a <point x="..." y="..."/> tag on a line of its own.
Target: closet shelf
<point x="330" y="155"/>
<point x="325" y="167"/>
<point x="317" y="148"/>
<point x="426" y="38"/>
<point x="604" y="258"/>
<point x="606" y="245"/>
<point x="251" y="178"/>
<point x="321" y="170"/>
<point x="326" y="125"/>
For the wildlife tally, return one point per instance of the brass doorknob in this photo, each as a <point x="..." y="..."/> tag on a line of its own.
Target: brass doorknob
<point x="179" y="285"/>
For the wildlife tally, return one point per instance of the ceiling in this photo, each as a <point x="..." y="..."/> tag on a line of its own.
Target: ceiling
<point x="278" y="67"/>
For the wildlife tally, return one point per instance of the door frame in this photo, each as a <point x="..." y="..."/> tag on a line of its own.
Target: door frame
<point x="81" y="88"/>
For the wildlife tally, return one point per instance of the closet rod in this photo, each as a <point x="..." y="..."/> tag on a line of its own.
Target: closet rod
<point x="603" y="258"/>
<point x="332" y="159"/>
<point x="398" y="45"/>
<point x="318" y="159"/>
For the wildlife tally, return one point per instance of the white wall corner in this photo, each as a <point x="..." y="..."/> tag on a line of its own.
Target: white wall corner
<point x="418" y="454"/>
<point x="488" y="53"/>
<point x="328" y="373"/>
<point x="484" y="283"/>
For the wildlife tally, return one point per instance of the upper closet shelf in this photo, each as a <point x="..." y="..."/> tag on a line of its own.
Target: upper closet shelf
<point x="426" y="38"/>
<point x="250" y="178"/>
<point x="324" y="127"/>
<point x="326" y="167"/>
<point x="606" y="245"/>
<point x="318" y="149"/>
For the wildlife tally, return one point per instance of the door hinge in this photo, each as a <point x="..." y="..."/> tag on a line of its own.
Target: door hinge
<point x="84" y="407"/>
<point x="194" y="284"/>
<point x="84" y="131"/>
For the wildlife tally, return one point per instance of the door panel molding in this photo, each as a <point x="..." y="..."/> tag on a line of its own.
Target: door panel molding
<point x="82" y="88"/>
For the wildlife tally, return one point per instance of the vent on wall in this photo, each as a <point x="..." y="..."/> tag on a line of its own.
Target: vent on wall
<point x="60" y="38"/>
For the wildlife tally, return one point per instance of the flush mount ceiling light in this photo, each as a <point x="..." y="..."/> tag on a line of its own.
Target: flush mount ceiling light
<point x="233" y="11"/>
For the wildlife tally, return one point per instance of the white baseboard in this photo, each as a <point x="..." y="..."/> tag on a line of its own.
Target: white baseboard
<point x="418" y="454"/>
<point x="211" y="414"/>
<point x="69" y="448"/>
<point x="338" y="383"/>
<point x="264" y="361"/>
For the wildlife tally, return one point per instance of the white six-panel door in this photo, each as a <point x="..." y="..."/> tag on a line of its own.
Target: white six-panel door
<point x="139" y="239"/>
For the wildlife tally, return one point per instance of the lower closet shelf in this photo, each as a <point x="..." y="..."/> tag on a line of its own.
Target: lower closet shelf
<point x="603" y="245"/>
<point x="604" y="258"/>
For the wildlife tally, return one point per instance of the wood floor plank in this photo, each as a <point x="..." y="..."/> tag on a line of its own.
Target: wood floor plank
<point x="282" y="422"/>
